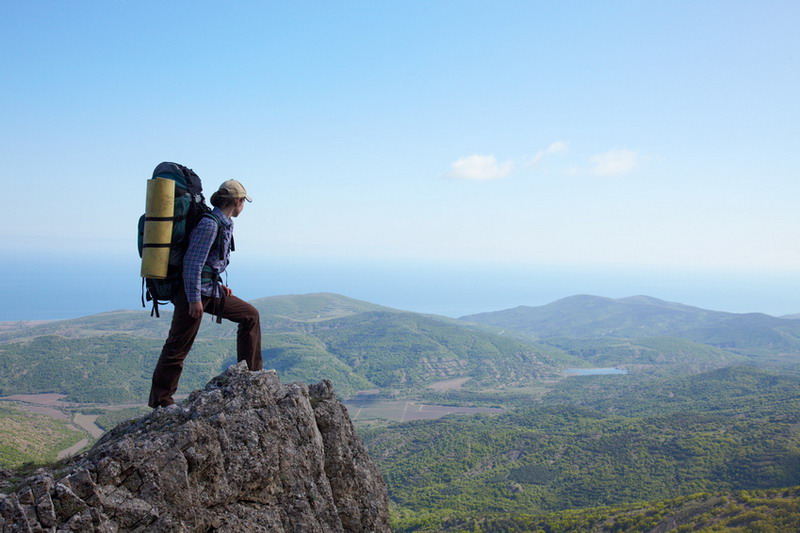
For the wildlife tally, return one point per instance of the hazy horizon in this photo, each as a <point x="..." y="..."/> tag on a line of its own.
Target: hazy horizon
<point x="76" y="288"/>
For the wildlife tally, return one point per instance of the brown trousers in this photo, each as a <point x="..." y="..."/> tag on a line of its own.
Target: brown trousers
<point x="181" y="337"/>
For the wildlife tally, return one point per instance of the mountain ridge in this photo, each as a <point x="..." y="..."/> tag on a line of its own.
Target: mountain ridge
<point x="586" y="316"/>
<point x="361" y="345"/>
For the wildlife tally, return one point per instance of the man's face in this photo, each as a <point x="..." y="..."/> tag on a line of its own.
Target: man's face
<point x="239" y="207"/>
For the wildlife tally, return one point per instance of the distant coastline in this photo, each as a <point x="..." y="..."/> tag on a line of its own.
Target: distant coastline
<point x="77" y="288"/>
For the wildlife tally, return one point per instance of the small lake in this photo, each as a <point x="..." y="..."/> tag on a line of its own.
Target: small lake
<point x="594" y="371"/>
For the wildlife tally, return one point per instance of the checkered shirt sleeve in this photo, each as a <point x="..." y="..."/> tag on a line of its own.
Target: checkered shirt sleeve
<point x="200" y="243"/>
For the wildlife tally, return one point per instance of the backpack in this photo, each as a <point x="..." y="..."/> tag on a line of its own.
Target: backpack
<point x="190" y="207"/>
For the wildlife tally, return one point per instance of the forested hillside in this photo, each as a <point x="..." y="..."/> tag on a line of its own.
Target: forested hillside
<point x="648" y="355"/>
<point x="357" y="345"/>
<point x="99" y="369"/>
<point x="590" y="317"/>
<point x="774" y="511"/>
<point x="728" y="430"/>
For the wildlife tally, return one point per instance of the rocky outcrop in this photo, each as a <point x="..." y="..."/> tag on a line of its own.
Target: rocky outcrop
<point x="246" y="454"/>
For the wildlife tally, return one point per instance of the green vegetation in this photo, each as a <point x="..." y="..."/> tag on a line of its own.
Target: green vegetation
<point x="407" y="350"/>
<point x="706" y="427"/>
<point x="653" y="355"/>
<point x="357" y="345"/>
<point x="32" y="438"/>
<point x="594" y="441"/>
<point x="587" y="316"/>
<point x="732" y="391"/>
<point x="505" y="398"/>
<point x="277" y="312"/>
<point x="560" y="458"/>
<point x="767" y="511"/>
<point x="299" y="357"/>
<point x="134" y="323"/>
<point x="313" y="307"/>
<point x="592" y="317"/>
<point x="111" y="368"/>
<point x="111" y="418"/>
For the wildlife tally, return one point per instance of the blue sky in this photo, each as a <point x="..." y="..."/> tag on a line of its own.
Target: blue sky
<point x="645" y="137"/>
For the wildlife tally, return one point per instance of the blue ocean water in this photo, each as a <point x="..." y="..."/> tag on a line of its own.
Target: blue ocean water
<point x="41" y="288"/>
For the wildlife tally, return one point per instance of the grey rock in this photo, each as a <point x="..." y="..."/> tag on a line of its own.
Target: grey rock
<point x="25" y="496"/>
<point x="42" y="484"/>
<point x="245" y="454"/>
<point x="45" y="511"/>
<point x="15" y="520"/>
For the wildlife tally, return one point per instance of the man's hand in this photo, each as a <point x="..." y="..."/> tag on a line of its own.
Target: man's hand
<point x="228" y="291"/>
<point x="195" y="309"/>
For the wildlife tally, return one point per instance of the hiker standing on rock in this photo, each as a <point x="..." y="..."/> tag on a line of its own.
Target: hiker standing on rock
<point x="206" y="258"/>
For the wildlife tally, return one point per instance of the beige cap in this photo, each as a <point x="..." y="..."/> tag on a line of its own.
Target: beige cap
<point x="231" y="189"/>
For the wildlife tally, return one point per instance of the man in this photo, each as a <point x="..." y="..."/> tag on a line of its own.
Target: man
<point x="206" y="258"/>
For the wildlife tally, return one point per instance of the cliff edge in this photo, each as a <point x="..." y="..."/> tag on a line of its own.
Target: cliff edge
<point x="246" y="454"/>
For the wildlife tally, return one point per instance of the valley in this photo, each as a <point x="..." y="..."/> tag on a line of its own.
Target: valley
<point x="586" y="410"/>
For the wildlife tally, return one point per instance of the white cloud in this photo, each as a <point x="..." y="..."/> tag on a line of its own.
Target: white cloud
<point x="615" y="162"/>
<point x="558" y="147"/>
<point x="478" y="167"/>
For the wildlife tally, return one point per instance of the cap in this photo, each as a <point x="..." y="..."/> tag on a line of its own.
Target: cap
<point x="231" y="189"/>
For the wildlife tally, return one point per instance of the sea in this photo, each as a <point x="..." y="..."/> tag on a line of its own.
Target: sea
<point x="47" y="288"/>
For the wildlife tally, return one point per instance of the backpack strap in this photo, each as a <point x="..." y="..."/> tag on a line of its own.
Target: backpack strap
<point x="209" y="274"/>
<point x="173" y="219"/>
<point x="150" y="296"/>
<point x="218" y="241"/>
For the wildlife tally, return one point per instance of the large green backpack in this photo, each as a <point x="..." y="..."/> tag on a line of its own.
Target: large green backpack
<point x="190" y="206"/>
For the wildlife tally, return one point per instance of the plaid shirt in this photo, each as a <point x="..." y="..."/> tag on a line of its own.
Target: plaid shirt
<point x="200" y="253"/>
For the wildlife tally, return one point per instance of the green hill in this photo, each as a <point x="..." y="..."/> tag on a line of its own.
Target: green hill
<point x="776" y="510"/>
<point x="648" y="354"/>
<point x="314" y="307"/>
<point x="357" y="345"/>
<point x="588" y="317"/>
<point x="394" y="350"/>
<point x="135" y="323"/>
<point x="107" y="368"/>
<point x="407" y="350"/>
<point x="735" y="391"/>
<point x="277" y="312"/>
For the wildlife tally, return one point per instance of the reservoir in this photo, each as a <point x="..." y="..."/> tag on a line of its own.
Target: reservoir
<point x="594" y="371"/>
